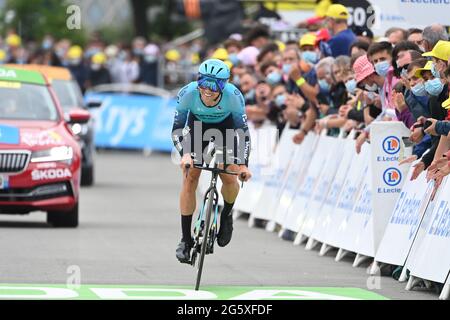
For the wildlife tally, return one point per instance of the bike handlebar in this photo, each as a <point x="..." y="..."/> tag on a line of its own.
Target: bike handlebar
<point x="215" y="170"/>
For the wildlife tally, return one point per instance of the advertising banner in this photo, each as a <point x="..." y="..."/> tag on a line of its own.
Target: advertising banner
<point x="405" y="220"/>
<point x="347" y="199"/>
<point x="331" y="164"/>
<point x="296" y="175"/>
<point x="274" y="176"/>
<point x="297" y="212"/>
<point x="387" y="176"/>
<point x="430" y="256"/>
<point x="133" y="121"/>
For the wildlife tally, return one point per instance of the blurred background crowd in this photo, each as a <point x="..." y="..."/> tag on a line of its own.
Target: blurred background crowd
<point x="322" y="74"/>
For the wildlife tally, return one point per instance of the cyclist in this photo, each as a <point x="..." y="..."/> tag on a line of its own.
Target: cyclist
<point x="208" y="109"/>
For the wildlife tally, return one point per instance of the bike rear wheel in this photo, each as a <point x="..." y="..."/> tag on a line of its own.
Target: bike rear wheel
<point x="206" y="235"/>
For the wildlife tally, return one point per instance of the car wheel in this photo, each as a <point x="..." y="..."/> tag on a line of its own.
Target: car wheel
<point x="87" y="176"/>
<point x="63" y="219"/>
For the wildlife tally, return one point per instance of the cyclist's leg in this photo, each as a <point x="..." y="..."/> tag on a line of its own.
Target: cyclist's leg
<point x="187" y="195"/>
<point x="230" y="185"/>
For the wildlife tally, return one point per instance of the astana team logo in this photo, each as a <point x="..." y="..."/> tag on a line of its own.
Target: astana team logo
<point x="391" y="145"/>
<point x="392" y="177"/>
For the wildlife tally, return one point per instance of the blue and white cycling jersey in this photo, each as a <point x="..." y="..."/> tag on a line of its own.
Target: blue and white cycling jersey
<point x="231" y="102"/>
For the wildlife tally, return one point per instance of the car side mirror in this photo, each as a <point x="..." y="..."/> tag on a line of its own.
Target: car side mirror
<point x="79" y="116"/>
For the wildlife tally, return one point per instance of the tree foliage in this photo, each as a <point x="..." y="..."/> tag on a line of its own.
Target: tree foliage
<point x="34" y="19"/>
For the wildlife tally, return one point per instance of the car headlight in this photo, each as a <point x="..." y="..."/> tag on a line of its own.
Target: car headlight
<point x="62" y="153"/>
<point x="80" y="129"/>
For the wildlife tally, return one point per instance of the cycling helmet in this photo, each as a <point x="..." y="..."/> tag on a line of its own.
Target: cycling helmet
<point x="213" y="74"/>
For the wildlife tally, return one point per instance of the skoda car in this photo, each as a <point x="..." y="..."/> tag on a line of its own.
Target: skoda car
<point x="70" y="97"/>
<point x="40" y="157"/>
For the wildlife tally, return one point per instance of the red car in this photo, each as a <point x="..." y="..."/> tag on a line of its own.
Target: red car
<point x="40" y="158"/>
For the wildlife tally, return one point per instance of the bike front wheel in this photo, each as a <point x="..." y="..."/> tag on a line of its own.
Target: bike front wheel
<point x="206" y="235"/>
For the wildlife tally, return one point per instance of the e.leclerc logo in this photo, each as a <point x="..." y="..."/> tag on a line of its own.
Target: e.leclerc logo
<point x="391" y="148"/>
<point x="391" y="145"/>
<point x="392" y="177"/>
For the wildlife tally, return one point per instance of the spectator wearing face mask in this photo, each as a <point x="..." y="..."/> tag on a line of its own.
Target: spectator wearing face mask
<point x="301" y="75"/>
<point x="431" y="35"/>
<point x="233" y="48"/>
<point x="342" y="36"/>
<point x="98" y="73"/>
<point x="248" y="84"/>
<point x="380" y="55"/>
<point x="149" y="65"/>
<point x="272" y="73"/>
<point x="437" y="95"/>
<point x="76" y="66"/>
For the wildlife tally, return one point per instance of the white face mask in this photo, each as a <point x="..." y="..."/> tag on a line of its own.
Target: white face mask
<point x="372" y="88"/>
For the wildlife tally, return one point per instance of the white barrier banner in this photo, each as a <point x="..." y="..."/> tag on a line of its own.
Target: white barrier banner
<point x="387" y="176"/>
<point x="274" y="176"/>
<point x="297" y="211"/>
<point x="331" y="164"/>
<point x="263" y="143"/>
<point x="356" y="231"/>
<point x="347" y="198"/>
<point x="405" y="219"/>
<point x="363" y="217"/>
<point x="325" y="218"/>
<point x="430" y="256"/>
<point x="296" y="175"/>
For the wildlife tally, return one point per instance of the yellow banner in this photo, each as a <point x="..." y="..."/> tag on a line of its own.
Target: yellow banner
<point x="10" y="85"/>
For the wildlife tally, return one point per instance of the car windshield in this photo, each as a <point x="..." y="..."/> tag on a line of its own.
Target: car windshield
<point x="68" y="93"/>
<point x="21" y="101"/>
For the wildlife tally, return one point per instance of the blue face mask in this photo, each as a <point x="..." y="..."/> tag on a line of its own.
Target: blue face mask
<point x="382" y="68"/>
<point x="434" y="71"/>
<point x="237" y="80"/>
<point x="324" y="85"/>
<point x="434" y="87"/>
<point x="250" y="95"/>
<point x="350" y="85"/>
<point x="287" y="68"/>
<point x="310" y="56"/>
<point x="47" y="45"/>
<point x="280" y="100"/>
<point x="273" y="78"/>
<point x="419" y="90"/>
<point x="233" y="59"/>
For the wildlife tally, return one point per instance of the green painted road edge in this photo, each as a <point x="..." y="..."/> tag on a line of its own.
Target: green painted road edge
<point x="138" y="292"/>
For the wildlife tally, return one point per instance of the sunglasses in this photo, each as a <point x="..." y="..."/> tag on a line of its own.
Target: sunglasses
<point x="213" y="84"/>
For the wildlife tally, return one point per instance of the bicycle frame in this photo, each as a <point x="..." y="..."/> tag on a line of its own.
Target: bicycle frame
<point x="206" y="231"/>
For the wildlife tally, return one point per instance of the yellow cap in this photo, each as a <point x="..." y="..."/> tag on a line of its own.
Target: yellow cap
<point x="440" y="51"/>
<point x="446" y="104"/>
<point x="322" y="7"/>
<point x="337" y="11"/>
<point x="229" y="64"/>
<point x="221" y="54"/>
<point x="2" y="55"/>
<point x="195" y="58"/>
<point x="99" y="58"/>
<point x="427" y="67"/>
<point x="281" y="45"/>
<point x="75" y="52"/>
<point x="13" y="40"/>
<point x="173" y="55"/>
<point x="308" y="39"/>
